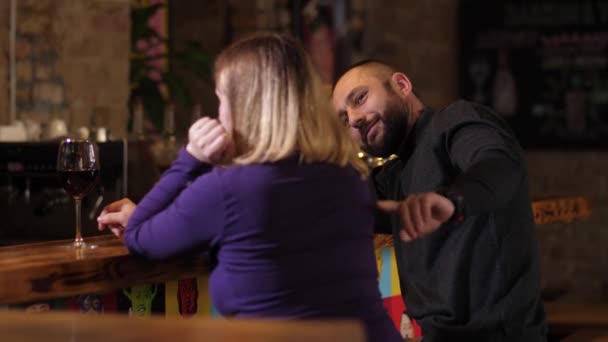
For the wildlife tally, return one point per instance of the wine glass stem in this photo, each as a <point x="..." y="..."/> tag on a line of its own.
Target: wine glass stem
<point x="78" y="241"/>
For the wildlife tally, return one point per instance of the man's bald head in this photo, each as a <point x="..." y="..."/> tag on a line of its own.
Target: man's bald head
<point x="371" y="67"/>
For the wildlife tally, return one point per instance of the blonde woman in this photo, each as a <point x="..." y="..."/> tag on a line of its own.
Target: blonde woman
<point x="274" y="190"/>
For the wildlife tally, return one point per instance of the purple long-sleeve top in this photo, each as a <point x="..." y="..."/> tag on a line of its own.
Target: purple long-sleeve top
<point x="293" y="240"/>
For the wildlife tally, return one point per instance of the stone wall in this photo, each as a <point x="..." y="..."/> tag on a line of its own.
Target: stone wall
<point x="72" y="61"/>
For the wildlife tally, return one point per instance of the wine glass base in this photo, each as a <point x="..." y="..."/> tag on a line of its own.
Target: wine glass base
<point x="81" y="249"/>
<point x="81" y="245"/>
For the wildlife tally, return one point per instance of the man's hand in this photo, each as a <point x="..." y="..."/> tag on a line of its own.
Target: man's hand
<point x="115" y="216"/>
<point x="209" y="142"/>
<point x="420" y="214"/>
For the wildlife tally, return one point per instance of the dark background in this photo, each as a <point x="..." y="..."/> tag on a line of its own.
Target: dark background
<point x="557" y="52"/>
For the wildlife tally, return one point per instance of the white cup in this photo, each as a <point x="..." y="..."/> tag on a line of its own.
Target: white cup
<point x="56" y="128"/>
<point x="102" y="134"/>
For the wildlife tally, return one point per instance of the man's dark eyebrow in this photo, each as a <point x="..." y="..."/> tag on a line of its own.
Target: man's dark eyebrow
<point x="350" y="99"/>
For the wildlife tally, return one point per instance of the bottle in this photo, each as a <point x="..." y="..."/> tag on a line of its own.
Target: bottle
<point x="197" y="113"/>
<point x="575" y="106"/>
<point x="169" y="122"/>
<point x="138" y="120"/>
<point x="479" y="71"/>
<point x="504" y="97"/>
<point x="169" y="149"/>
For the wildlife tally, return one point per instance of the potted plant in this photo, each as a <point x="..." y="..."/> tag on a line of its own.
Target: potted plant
<point x="154" y="83"/>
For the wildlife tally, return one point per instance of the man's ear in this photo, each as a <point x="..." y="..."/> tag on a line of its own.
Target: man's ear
<point x="402" y="84"/>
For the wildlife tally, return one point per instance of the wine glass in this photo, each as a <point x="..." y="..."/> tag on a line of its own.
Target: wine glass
<point x="78" y="167"/>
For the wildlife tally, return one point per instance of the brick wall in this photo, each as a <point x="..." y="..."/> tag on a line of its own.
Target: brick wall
<point x="420" y="38"/>
<point x="4" y="61"/>
<point x="72" y="61"/>
<point x="573" y="255"/>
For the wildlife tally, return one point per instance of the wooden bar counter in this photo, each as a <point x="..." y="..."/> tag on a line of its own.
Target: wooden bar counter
<point x="54" y="269"/>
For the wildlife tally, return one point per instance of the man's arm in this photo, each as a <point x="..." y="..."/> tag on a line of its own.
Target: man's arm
<point x="490" y="164"/>
<point x="491" y="174"/>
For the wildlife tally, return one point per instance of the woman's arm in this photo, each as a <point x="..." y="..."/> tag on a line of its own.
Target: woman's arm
<point x="182" y="172"/>
<point x="175" y="217"/>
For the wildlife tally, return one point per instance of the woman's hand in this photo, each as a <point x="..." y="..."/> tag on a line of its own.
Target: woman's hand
<point x="209" y="142"/>
<point x="115" y="216"/>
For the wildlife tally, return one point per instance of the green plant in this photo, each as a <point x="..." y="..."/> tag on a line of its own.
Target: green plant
<point x="152" y="74"/>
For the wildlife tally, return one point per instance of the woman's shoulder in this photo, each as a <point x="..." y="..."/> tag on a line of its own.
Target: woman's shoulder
<point x="290" y="168"/>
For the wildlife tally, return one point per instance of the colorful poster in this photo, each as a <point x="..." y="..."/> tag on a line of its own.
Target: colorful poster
<point x="38" y="306"/>
<point x="143" y="300"/>
<point x="92" y="303"/>
<point x="188" y="297"/>
<point x="391" y="292"/>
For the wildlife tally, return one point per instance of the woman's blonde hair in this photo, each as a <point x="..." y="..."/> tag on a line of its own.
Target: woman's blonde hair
<point x="279" y="105"/>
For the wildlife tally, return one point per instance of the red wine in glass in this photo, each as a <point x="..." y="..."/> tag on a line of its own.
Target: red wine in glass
<point x="79" y="183"/>
<point x="78" y="168"/>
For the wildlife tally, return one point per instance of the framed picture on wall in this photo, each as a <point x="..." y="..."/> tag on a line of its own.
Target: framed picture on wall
<point x="541" y="64"/>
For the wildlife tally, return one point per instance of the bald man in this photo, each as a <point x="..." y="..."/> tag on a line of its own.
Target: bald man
<point x="456" y="200"/>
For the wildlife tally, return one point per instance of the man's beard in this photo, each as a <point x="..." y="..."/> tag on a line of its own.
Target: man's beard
<point x="395" y="121"/>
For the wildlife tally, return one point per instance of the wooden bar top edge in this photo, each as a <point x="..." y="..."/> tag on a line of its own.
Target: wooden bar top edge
<point x="51" y="270"/>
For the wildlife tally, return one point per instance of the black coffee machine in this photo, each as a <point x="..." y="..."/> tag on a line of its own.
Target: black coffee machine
<point x="33" y="205"/>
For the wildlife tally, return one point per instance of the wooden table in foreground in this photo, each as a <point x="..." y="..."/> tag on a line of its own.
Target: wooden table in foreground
<point x="53" y="269"/>
<point x="61" y="327"/>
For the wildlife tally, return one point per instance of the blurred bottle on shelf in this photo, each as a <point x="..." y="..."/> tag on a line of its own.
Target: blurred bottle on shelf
<point x="197" y="112"/>
<point x="137" y="130"/>
<point x="504" y="97"/>
<point x="169" y="123"/>
<point x="575" y="106"/>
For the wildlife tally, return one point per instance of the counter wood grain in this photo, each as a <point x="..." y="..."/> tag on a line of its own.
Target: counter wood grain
<point x="51" y="269"/>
